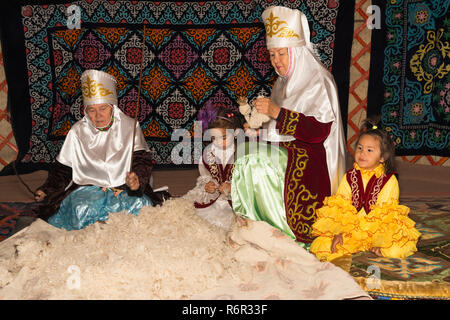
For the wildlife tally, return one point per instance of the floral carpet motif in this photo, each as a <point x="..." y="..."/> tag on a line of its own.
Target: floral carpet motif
<point x="412" y="89"/>
<point x="423" y="275"/>
<point x="193" y="53"/>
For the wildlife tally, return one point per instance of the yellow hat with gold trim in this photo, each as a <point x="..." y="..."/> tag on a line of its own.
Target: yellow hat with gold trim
<point x="98" y="87"/>
<point x="283" y="27"/>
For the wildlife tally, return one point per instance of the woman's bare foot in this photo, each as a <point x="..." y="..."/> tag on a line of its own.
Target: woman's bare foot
<point x="376" y="250"/>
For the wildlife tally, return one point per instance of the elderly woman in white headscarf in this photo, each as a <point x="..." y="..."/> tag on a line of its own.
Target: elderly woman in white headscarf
<point x="286" y="181"/>
<point x="90" y="177"/>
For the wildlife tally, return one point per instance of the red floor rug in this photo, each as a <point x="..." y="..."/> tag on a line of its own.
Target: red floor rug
<point x="15" y="216"/>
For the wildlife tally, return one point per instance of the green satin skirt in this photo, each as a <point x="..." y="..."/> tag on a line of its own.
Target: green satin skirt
<point x="257" y="186"/>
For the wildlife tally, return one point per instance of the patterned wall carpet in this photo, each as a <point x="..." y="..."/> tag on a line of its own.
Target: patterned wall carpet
<point x="412" y="89"/>
<point x="357" y="99"/>
<point x="194" y="52"/>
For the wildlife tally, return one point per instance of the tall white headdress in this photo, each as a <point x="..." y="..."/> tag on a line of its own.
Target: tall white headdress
<point x="286" y="27"/>
<point x="98" y="87"/>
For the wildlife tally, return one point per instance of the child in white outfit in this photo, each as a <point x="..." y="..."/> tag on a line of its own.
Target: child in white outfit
<point x="211" y="194"/>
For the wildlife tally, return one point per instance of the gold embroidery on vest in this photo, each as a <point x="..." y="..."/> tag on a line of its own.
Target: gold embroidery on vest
<point x="92" y="89"/>
<point x="376" y="190"/>
<point x="290" y="123"/>
<point x="354" y="188"/>
<point x="273" y="28"/>
<point x="211" y="161"/>
<point x="230" y="174"/>
<point x="297" y="194"/>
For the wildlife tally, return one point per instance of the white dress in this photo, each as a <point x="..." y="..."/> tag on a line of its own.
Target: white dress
<point x="215" y="165"/>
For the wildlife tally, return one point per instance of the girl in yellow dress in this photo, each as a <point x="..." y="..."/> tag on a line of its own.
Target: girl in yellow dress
<point x="365" y="214"/>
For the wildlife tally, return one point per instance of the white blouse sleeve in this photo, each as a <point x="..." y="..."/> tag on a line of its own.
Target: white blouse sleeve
<point x="198" y="193"/>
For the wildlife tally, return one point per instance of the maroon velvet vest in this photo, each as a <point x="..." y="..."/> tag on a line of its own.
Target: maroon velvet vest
<point x="219" y="172"/>
<point x="365" y="198"/>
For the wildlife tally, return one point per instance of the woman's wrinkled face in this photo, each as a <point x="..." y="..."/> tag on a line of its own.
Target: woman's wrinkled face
<point x="99" y="114"/>
<point x="279" y="57"/>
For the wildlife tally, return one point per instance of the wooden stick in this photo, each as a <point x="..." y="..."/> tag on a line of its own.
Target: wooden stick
<point x="138" y="99"/>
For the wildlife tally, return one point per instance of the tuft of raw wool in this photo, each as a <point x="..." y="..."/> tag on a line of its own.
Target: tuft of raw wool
<point x="251" y="115"/>
<point x="166" y="252"/>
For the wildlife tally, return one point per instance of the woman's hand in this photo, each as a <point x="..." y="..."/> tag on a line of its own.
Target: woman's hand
<point x="267" y="107"/>
<point x="210" y="187"/>
<point x="39" y="195"/>
<point x="225" y="188"/>
<point x="132" y="181"/>
<point x="338" y="239"/>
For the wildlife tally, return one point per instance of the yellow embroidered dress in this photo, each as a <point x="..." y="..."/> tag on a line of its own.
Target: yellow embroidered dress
<point x="365" y="210"/>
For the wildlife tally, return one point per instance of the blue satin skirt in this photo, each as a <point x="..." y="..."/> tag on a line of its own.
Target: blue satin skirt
<point x="89" y="204"/>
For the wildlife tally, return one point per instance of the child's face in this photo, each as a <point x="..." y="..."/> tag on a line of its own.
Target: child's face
<point x="222" y="137"/>
<point x="368" y="152"/>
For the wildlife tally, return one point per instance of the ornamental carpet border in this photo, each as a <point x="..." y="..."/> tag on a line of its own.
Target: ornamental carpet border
<point x="423" y="275"/>
<point x="194" y="52"/>
<point x="411" y="91"/>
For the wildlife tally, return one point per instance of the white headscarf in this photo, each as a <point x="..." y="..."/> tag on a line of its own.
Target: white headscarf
<point x="100" y="158"/>
<point x="308" y="88"/>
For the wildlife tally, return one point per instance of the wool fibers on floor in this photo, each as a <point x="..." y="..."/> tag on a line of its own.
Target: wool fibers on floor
<point x="166" y="252"/>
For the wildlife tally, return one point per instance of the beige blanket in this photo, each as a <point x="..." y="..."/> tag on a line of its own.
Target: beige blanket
<point x="167" y="252"/>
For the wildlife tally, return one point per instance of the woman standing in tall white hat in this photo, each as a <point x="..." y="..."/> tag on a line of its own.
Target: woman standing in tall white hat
<point x="305" y="159"/>
<point x="89" y="178"/>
